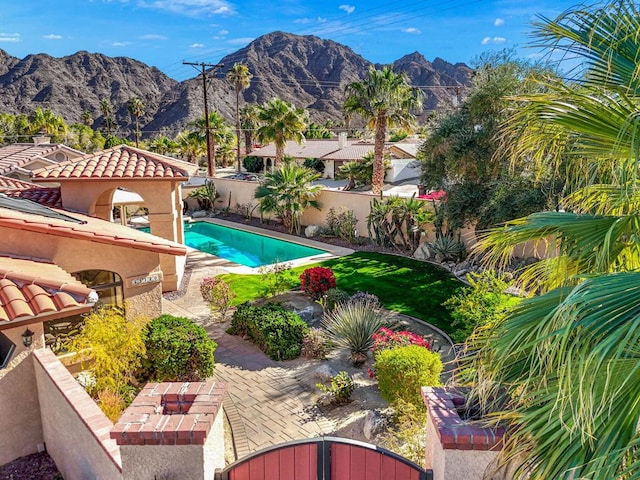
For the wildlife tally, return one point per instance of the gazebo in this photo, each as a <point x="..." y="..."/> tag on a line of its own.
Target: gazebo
<point x="88" y="185"/>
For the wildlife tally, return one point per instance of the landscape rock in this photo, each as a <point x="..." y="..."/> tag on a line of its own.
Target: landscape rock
<point x="312" y="231"/>
<point x="199" y="214"/>
<point x="374" y="424"/>
<point x="422" y="252"/>
<point x="324" y="373"/>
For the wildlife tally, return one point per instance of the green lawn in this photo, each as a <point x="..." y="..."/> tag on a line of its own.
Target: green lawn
<point x="404" y="285"/>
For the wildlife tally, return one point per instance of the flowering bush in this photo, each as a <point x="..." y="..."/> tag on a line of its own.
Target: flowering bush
<point x="385" y="339"/>
<point x="365" y="297"/>
<point x="316" y="281"/>
<point x="217" y="294"/>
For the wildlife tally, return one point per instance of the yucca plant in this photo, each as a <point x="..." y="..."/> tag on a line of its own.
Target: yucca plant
<point x="351" y="325"/>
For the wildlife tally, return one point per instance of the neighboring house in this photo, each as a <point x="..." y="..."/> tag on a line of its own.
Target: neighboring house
<point x="335" y="152"/>
<point x="20" y="159"/>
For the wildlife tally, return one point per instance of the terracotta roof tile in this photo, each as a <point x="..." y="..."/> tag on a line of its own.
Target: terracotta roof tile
<point x="30" y="288"/>
<point x="20" y="154"/>
<point x="92" y="229"/>
<point x="121" y="163"/>
<point x="8" y="183"/>
<point x="48" y="196"/>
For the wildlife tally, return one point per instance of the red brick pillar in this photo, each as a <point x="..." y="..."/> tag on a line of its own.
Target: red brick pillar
<point x="456" y="448"/>
<point x="172" y="430"/>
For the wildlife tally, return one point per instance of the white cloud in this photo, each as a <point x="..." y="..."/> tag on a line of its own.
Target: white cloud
<point x="412" y="30"/>
<point x="493" y="40"/>
<point x="223" y="32"/>
<point x="192" y="8"/>
<point x="120" y="44"/>
<point x="153" y="36"/>
<point x="347" y="8"/>
<point x="10" y="37"/>
<point x="305" y="21"/>
<point x="196" y="45"/>
<point x="240" y="41"/>
<point x="322" y="20"/>
<point x="498" y="22"/>
<point x="52" y="36"/>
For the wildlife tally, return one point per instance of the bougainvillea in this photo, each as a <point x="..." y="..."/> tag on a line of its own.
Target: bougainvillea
<point x="316" y="281"/>
<point x="385" y="339"/>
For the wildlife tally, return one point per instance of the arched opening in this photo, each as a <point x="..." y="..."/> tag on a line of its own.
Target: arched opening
<point x="108" y="286"/>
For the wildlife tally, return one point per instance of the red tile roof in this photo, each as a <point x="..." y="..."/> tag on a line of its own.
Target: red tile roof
<point x="93" y="230"/>
<point x="8" y="183"/>
<point x="20" y="154"/>
<point x="48" y="196"/>
<point x="30" y="288"/>
<point x="118" y="163"/>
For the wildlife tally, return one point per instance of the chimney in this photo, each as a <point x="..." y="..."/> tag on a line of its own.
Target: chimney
<point x="41" y="139"/>
<point x="342" y="140"/>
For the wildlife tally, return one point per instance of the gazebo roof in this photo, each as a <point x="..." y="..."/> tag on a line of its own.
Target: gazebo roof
<point x="118" y="163"/>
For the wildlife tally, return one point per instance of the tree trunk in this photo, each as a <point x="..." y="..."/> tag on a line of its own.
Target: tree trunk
<point x="239" y="167"/>
<point x="377" y="180"/>
<point x="279" y="156"/>
<point x="248" y="141"/>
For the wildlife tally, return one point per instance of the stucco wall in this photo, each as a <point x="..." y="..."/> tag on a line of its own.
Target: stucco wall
<point x="193" y="462"/>
<point x="74" y="428"/>
<point x="20" y="427"/>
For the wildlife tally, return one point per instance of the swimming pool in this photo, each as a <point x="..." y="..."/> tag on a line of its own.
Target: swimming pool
<point x="239" y="246"/>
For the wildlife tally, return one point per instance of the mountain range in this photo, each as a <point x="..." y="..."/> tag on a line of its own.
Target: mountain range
<point x="308" y="71"/>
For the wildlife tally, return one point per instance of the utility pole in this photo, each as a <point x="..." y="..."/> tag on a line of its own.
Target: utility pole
<point x="210" y="159"/>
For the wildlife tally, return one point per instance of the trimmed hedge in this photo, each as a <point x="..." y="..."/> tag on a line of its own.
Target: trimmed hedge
<point x="402" y="371"/>
<point x="178" y="350"/>
<point x="276" y="331"/>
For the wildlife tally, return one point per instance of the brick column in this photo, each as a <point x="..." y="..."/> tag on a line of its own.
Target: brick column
<point x="172" y="430"/>
<point x="456" y="448"/>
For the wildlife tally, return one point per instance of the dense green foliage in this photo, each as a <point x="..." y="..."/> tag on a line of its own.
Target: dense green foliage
<point x="402" y="371"/>
<point x="178" y="350"/>
<point x="253" y="164"/>
<point x="341" y="387"/>
<point x="276" y="331"/>
<point x="316" y="164"/>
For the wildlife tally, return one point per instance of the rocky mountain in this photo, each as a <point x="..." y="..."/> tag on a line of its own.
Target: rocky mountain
<point x="306" y="70"/>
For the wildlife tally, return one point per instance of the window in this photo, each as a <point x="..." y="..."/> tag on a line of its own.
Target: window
<point x="108" y="285"/>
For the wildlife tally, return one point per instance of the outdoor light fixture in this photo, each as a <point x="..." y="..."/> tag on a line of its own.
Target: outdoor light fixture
<point x="27" y="338"/>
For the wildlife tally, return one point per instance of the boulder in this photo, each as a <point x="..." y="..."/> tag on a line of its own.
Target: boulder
<point x="199" y="214"/>
<point x="312" y="231"/>
<point x="422" y="252"/>
<point x="374" y="424"/>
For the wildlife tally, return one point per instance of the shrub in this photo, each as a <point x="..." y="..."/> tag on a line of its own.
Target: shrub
<point x="217" y="294"/>
<point x="276" y="277"/>
<point x="351" y="327"/>
<point x="334" y="297"/>
<point x="406" y="437"/>
<point x="385" y="339"/>
<point x="402" y="371"/>
<point x="253" y="164"/>
<point x="341" y="224"/>
<point x="365" y="297"/>
<point x="482" y="302"/>
<point x="341" y="387"/>
<point x="314" y="344"/>
<point x="178" y="350"/>
<point x="316" y="281"/>
<point x="205" y="195"/>
<point x="276" y="331"/>
<point x="111" y="403"/>
<point x="314" y="164"/>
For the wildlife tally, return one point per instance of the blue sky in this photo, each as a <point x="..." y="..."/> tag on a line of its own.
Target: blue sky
<point x="163" y="33"/>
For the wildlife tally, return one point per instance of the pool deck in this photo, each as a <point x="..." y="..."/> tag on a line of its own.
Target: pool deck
<point x="226" y="266"/>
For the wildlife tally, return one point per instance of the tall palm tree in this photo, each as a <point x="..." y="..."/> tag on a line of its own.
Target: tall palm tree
<point x="45" y="121"/>
<point x="87" y="118"/>
<point x="281" y="121"/>
<point x="162" y="145"/>
<point x="136" y="110"/>
<point x="567" y="362"/>
<point x="240" y="77"/>
<point x="384" y="99"/>
<point x="108" y="122"/>
<point x="218" y="128"/>
<point x="249" y="123"/>
<point x="287" y="192"/>
<point x="190" y="146"/>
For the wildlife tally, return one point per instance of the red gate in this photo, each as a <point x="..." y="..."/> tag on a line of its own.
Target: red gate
<point x="324" y="458"/>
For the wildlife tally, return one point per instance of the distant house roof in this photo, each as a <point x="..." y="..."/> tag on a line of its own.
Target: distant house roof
<point x="49" y="196"/>
<point x="33" y="288"/>
<point x="411" y="149"/>
<point x="308" y="149"/>
<point x="82" y="227"/>
<point x="14" y="157"/>
<point x="354" y="151"/>
<point x="118" y="163"/>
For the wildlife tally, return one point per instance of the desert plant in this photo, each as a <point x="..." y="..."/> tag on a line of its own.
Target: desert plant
<point x="276" y="331"/>
<point x="351" y="325"/>
<point x="340" y="388"/>
<point x="398" y="222"/>
<point x="246" y="209"/>
<point x="315" y="281"/>
<point x="407" y="437"/>
<point x="111" y="403"/>
<point x="446" y="248"/>
<point x="365" y="297"/>
<point x="402" y="371"/>
<point x="334" y="297"/>
<point x="315" y="344"/>
<point x="205" y="195"/>
<point x="341" y="224"/>
<point x="275" y="277"/>
<point x="178" y="350"/>
<point x="217" y="294"/>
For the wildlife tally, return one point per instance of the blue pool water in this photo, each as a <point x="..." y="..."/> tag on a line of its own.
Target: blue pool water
<point x="239" y="246"/>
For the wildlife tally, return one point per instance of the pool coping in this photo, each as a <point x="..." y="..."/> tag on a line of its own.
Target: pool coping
<point x="332" y="251"/>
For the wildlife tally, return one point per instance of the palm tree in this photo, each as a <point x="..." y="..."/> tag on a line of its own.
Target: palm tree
<point x="249" y="124"/>
<point x="384" y="99"/>
<point x="162" y="145"/>
<point x="87" y="118"/>
<point x="217" y="129"/>
<point x="240" y="77"/>
<point x="567" y="362"/>
<point x="136" y="110"/>
<point x="45" y="121"/>
<point x="281" y="121"/>
<point x="287" y="192"/>
<point x="190" y="146"/>
<point x="108" y="122"/>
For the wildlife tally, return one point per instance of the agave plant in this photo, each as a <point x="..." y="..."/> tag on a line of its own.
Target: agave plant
<point x="351" y="325"/>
